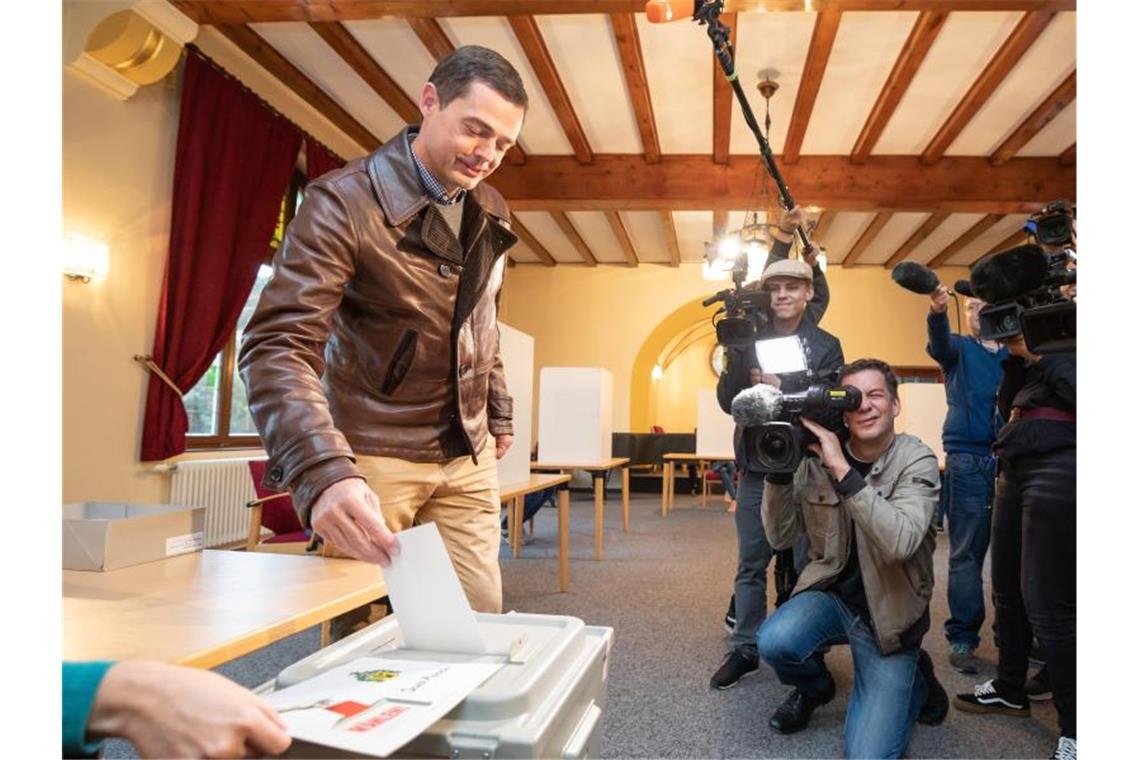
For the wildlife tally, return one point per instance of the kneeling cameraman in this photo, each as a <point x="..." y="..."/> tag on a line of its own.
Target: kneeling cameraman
<point x="867" y="507"/>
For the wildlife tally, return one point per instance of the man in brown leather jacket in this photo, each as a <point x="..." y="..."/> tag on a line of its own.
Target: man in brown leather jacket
<point x="372" y="362"/>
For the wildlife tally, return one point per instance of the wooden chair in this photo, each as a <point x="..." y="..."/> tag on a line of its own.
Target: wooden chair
<point x="274" y="510"/>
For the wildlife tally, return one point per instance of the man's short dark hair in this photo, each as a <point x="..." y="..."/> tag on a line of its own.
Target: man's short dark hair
<point x="878" y="364"/>
<point x="453" y="75"/>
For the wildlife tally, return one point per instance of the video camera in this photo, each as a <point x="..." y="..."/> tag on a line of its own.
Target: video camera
<point x="1022" y="286"/>
<point x="775" y="438"/>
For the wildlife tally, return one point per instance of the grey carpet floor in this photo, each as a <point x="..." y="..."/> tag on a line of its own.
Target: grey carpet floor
<point x="663" y="587"/>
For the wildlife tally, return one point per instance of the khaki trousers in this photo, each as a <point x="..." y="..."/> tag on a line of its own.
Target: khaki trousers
<point x="461" y="498"/>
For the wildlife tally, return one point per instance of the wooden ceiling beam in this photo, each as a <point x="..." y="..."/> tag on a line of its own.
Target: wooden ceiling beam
<point x="633" y="66"/>
<point x="1069" y="157"/>
<point x="671" y="239"/>
<point x="679" y="182"/>
<point x="220" y="12"/>
<point x="933" y="222"/>
<point x="822" y="40"/>
<point x="822" y="226"/>
<point x="532" y="242"/>
<point x="922" y="36"/>
<point x="623" y="237"/>
<point x="723" y="99"/>
<point x="1055" y="102"/>
<point x="576" y="240"/>
<point x="963" y="240"/>
<point x="359" y="60"/>
<point x="864" y="242"/>
<point x="527" y="32"/>
<point x="1027" y="31"/>
<point x="289" y="75"/>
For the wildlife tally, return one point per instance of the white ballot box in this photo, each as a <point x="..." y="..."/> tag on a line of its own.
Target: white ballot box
<point x="575" y="415"/>
<point x="547" y="699"/>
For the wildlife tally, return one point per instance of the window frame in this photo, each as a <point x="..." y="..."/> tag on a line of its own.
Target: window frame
<point x="222" y="440"/>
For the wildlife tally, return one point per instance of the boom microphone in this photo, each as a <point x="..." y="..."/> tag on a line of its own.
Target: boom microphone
<point x="1010" y="274"/>
<point x="757" y="405"/>
<point x="915" y="277"/>
<point x="662" y="11"/>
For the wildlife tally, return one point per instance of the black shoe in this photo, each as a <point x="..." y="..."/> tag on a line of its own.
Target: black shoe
<point x="1039" y="688"/>
<point x="1036" y="656"/>
<point x="736" y="666"/>
<point x="990" y="698"/>
<point x="792" y="716"/>
<point x="730" y="616"/>
<point x="937" y="704"/>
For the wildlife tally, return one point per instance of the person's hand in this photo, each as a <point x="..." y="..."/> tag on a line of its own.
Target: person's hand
<point x="755" y="377"/>
<point x="171" y="711"/>
<point x="811" y="255"/>
<point x="791" y="219"/>
<point x="502" y="443"/>
<point x="939" y="299"/>
<point x="347" y="513"/>
<point x="829" y="450"/>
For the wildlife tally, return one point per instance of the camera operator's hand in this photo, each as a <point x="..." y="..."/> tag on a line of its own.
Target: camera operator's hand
<point x="811" y="255"/>
<point x="755" y="377"/>
<point x="789" y="220"/>
<point x="829" y="449"/>
<point x="939" y="299"/>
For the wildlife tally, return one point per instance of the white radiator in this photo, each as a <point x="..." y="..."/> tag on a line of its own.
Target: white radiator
<point x="222" y="486"/>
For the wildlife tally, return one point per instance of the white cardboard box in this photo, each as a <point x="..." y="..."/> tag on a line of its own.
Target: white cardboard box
<point x="575" y="415"/>
<point x="103" y="535"/>
<point x="517" y="350"/>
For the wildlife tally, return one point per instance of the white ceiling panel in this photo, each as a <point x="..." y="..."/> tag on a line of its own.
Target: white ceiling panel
<point x="520" y="251"/>
<point x="767" y="41"/>
<point x="393" y="45"/>
<point x="647" y="230"/>
<point x="694" y="229"/>
<point x="1057" y="136"/>
<point x="549" y="235"/>
<point x="1052" y="58"/>
<point x="864" y="52"/>
<point x="541" y="132"/>
<point x="595" y="229"/>
<point x="944" y="235"/>
<point x="843" y="233"/>
<point x="966" y="43"/>
<point x="987" y="240"/>
<point x="594" y="82"/>
<point x="678" y="65"/>
<point x="308" y="52"/>
<point x="894" y="233"/>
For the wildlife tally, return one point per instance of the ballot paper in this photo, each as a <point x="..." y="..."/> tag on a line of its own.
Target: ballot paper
<point x="375" y="705"/>
<point x="429" y="603"/>
<point x="779" y="356"/>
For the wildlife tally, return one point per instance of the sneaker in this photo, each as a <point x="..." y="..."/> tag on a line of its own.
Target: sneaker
<point x="937" y="704"/>
<point x="1066" y="749"/>
<point x="730" y="616"/>
<point x="1038" y="687"/>
<point x="987" y="698"/>
<point x="735" y="667"/>
<point x="793" y="715"/>
<point x="962" y="659"/>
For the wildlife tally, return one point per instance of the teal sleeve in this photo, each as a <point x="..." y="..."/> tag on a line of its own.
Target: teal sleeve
<point x="80" y="683"/>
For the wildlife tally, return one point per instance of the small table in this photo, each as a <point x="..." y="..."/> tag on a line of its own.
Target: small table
<point x="514" y="495"/>
<point x="667" y="475"/>
<point x="599" y="470"/>
<point x="209" y="607"/>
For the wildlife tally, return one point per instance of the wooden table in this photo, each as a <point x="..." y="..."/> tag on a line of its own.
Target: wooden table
<point x="599" y="470"/>
<point x="209" y="607"/>
<point x="514" y="495"/>
<point x="667" y="476"/>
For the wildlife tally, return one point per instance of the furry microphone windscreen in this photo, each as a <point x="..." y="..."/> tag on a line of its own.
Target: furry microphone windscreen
<point x="1010" y="274"/>
<point x="915" y="277"/>
<point x="756" y="405"/>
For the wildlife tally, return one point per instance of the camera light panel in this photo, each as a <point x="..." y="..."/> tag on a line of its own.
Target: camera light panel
<point x="781" y="355"/>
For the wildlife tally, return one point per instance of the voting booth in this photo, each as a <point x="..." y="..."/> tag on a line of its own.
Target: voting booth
<point x="714" y="427"/>
<point x="575" y="415"/>
<point x="517" y="351"/>
<point x="923" y="414"/>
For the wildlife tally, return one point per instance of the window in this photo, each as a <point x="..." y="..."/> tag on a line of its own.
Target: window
<point x="217" y="407"/>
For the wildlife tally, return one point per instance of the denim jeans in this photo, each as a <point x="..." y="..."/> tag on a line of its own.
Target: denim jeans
<point x="889" y="689"/>
<point x="533" y="502"/>
<point x="727" y="472"/>
<point x="968" y="488"/>
<point x="754" y="552"/>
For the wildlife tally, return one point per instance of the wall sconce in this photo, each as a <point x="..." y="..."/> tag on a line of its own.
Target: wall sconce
<point x="657" y="372"/>
<point x="84" y="259"/>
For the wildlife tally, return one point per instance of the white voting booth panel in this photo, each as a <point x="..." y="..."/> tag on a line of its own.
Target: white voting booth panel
<point x="714" y="427"/>
<point x="517" y="350"/>
<point x="575" y="415"/>
<point x="923" y="414"/>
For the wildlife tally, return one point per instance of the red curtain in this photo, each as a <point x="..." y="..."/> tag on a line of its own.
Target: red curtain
<point x="319" y="159"/>
<point x="233" y="163"/>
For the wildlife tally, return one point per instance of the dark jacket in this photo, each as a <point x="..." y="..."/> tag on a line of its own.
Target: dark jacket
<point x="972" y="376"/>
<point x="1050" y="383"/>
<point x="377" y="333"/>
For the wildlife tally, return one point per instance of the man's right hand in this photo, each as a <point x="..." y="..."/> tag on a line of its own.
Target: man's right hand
<point x="347" y="513"/>
<point x="939" y="299"/>
<point x="755" y="377"/>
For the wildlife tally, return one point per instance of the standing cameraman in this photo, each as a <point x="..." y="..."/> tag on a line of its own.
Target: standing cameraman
<point x="792" y="289"/>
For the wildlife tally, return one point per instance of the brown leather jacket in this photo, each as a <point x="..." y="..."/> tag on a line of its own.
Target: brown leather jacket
<point x="377" y="333"/>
